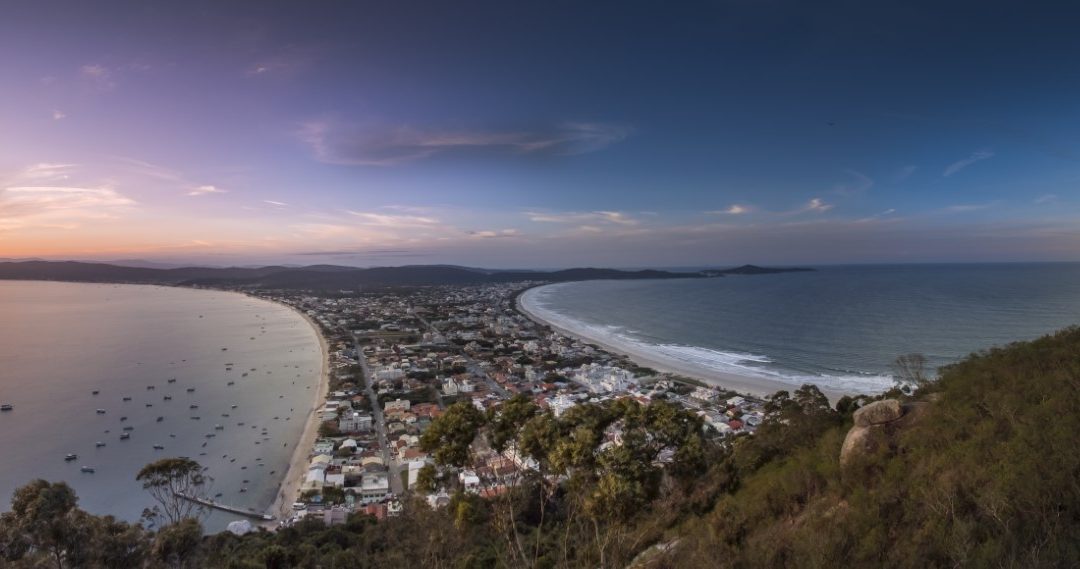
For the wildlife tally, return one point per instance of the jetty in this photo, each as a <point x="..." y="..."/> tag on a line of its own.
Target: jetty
<point x="227" y="508"/>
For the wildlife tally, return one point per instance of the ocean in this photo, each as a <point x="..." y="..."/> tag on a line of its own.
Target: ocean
<point x="61" y="341"/>
<point x="839" y="327"/>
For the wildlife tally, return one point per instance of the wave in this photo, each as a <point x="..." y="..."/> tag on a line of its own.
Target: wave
<point x="701" y="360"/>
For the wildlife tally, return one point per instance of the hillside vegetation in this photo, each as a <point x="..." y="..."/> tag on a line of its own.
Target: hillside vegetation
<point x="986" y="473"/>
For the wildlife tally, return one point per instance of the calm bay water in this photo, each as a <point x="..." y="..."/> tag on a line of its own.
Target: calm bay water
<point x="61" y="341"/>
<point x="839" y="327"/>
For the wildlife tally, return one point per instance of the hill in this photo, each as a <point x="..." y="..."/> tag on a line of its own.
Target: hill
<point x="314" y="277"/>
<point x="985" y="475"/>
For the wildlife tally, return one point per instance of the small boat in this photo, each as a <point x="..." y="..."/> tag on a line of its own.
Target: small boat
<point x="125" y="436"/>
<point x="224" y="414"/>
<point x="99" y="444"/>
<point x="210" y="435"/>
<point x="245" y="374"/>
<point x="87" y="469"/>
<point x="149" y="387"/>
<point x="7" y="407"/>
<point x="160" y="419"/>
<point x="168" y="398"/>
<point x="233" y="407"/>
<point x="231" y="383"/>
<point x="149" y="404"/>
<point x="94" y="392"/>
<point x="224" y="349"/>
<point x="129" y="428"/>
<point x="219" y="427"/>
<point x="123" y="418"/>
<point x="242" y="490"/>
<point x="193" y="406"/>
<point x="195" y="418"/>
<point x="191" y="390"/>
<point x="159" y="447"/>
<point x="70" y="457"/>
<point x="240" y="424"/>
<point x="172" y="380"/>
<point x="100" y="411"/>
<point x="126" y="399"/>
<point x="218" y="495"/>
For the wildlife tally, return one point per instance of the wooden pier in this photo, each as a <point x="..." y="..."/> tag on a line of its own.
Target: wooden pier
<point x="227" y="508"/>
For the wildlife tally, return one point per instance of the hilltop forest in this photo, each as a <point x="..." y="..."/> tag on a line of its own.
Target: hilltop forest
<point x="982" y="472"/>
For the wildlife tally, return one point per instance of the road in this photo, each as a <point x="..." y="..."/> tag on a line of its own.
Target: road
<point x="394" y="470"/>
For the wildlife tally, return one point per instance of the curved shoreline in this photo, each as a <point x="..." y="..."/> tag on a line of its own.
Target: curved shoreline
<point x="744" y="384"/>
<point x="289" y="487"/>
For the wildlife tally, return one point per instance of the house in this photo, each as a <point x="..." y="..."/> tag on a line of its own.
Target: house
<point x="374" y="487"/>
<point x="354" y="422"/>
<point x="397" y="405"/>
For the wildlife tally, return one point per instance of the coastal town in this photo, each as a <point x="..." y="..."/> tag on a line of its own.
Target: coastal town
<point x="398" y="357"/>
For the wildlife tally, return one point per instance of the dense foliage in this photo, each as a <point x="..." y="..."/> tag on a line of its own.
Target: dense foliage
<point x="983" y="472"/>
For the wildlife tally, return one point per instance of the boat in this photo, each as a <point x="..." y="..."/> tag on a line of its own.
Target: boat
<point x="100" y="411"/>
<point x="126" y="399"/>
<point x="149" y="387"/>
<point x="125" y="436"/>
<point x="231" y="383"/>
<point x="168" y="398"/>
<point x="94" y="392"/>
<point x="69" y="457"/>
<point x="233" y="406"/>
<point x="159" y="447"/>
<point x="195" y="418"/>
<point x="123" y="418"/>
<point x="160" y="419"/>
<point x="99" y="444"/>
<point x="191" y="390"/>
<point x="7" y="407"/>
<point x="193" y="406"/>
<point x="129" y="428"/>
<point x="210" y="435"/>
<point x="219" y="427"/>
<point x="172" y="380"/>
<point x="149" y="404"/>
<point x="88" y="469"/>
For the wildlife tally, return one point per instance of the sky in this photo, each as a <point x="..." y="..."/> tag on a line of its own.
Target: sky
<point x="539" y="134"/>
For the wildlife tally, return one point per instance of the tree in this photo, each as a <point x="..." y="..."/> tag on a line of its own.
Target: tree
<point x="175" y="484"/>
<point x="910" y="371"/>
<point x="44" y="518"/>
<point x="176" y="544"/>
<point x="449" y="437"/>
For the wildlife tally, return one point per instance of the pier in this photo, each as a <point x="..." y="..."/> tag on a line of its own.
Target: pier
<point x="227" y="508"/>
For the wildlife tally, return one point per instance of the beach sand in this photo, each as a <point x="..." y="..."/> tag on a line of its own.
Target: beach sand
<point x="746" y="385"/>
<point x="298" y="466"/>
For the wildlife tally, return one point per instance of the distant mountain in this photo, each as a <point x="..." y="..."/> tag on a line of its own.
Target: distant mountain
<point x="315" y="277"/>
<point x="329" y="277"/>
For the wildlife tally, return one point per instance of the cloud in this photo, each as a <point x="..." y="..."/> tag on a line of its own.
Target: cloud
<point x="98" y="75"/>
<point x="876" y="216"/>
<point x="1046" y="198"/>
<point x="614" y="217"/>
<point x="57" y="115"/>
<point x="381" y="146"/>
<point x="961" y="164"/>
<point x="963" y="208"/>
<point x="733" y="209"/>
<point x="859" y="184"/>
<point x="205" y="190"/>
<point x="389" y="220"/>
<point x="287" y="61"/>
<point x="494" y="234"/>
<point x="274" y="203"/>
<point x="815" y="205"/>
<point x="62" y="207"/>
<point x="904" y="173"/>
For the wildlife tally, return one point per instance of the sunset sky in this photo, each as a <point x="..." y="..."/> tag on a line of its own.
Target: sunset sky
<point x="541" y="134"/>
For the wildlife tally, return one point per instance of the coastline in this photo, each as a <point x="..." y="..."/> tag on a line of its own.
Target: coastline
<point x="746" y="385"/>
<point x="294" y="478"/>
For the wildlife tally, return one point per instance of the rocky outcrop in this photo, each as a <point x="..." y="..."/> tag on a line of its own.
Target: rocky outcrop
<point x="875" y="424"/>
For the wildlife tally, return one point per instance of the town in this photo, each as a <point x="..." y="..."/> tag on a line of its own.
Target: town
<point x="400" y="356"/>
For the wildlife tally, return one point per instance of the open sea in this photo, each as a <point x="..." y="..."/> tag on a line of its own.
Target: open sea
<point x="61" y="341"/>
<point x="840" y="327"/>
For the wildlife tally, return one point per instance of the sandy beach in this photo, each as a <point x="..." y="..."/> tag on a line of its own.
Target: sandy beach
<point x="294" y="478"/>
<point x="747" y="385"/>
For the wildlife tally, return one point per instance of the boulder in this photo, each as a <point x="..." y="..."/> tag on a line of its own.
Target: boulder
<point x="878" y="412"/>
<point x="856" y="442"/>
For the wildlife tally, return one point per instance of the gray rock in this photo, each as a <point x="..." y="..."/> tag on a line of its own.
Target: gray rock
<point x="878" y="412"/>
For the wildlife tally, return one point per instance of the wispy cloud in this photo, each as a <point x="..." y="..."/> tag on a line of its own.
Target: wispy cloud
<point x="494" y="234"/>
<point x="98" y="75"/>
<point x="904" y="173"/>
<point x="276" y="203"/>
<point x="733" y="209"/>
<point x="286" y="61"/>
<point x="858" y="184"/>
<point x="57" y="115"/>
<point x="206" y="190"/>
<point x="961" y="164"/>
<point x="389" y="220"/>
<point x="62" y="207"/>
<point x="963" y="208"/>
<point x="381" y="146"/>
<point x="614" y="217"/>
<point x="815" y="205"/>
<point x="1046" y="198"/>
